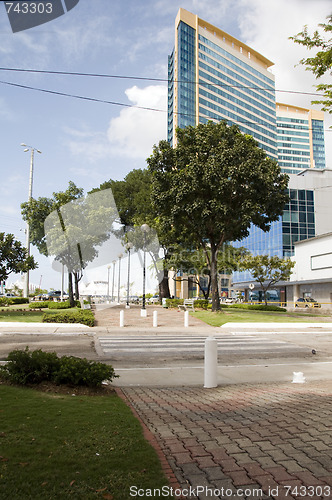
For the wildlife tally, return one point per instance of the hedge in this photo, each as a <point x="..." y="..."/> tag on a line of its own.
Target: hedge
<point x="32" y="367"/>
<point x="257" y="307"/>
<point x="9" y="301"/>
<point x="85" y="317"/>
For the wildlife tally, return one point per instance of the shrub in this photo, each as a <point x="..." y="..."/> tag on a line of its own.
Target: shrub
<point x="4" y="301"/>
<point x="33" y="367"/>
<point x="173" y="302"/>
<point x="19" y="300"/>
<point x="258" y="307"/>
<point x="25" y="367"/>
<point x="201" y="304"/>
<point x="38" y="305"/>
<point x="59" y="305"/>
<point x="77" y="371"/>
<point x="85" y="317"/>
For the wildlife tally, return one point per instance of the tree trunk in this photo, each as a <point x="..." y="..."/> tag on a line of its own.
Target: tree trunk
<point x="214" y="281"/>
<point x="70" y="290"/>
<point x="164" y="292"/>
<point x="77" y="293"/>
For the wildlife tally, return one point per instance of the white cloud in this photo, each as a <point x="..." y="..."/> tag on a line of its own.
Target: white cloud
<point x="134" y="132"/>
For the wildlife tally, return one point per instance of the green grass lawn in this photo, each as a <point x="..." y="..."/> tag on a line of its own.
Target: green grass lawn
<point x="25" y="315"/>
<point x="244" y="316"/>
<point x="55" y="446"/>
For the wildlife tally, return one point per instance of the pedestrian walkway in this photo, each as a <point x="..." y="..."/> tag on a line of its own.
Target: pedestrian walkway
<point x="179" y="345"/>
<point x="245" y="441"/>
<point x="168" y="319"/>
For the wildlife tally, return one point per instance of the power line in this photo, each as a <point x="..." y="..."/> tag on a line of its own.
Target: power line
<point x="143" y="78"/>
<point x="115" y="103"/>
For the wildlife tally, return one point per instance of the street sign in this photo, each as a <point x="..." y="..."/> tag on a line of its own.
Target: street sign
<point x="251" y="286"/>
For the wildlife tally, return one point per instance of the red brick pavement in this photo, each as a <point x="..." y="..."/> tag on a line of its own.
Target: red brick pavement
<point x="244" y="441"/>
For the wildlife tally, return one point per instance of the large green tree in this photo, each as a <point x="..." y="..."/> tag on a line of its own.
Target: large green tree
<point x="212" y="186"/>
<point x="13" y="257"/>
<point x="321" y="63"/>
<point x="268" y="271"/>
<point x="36" y="211"/>
<point x="132" y="196"/>
<point x="70" y="227"/>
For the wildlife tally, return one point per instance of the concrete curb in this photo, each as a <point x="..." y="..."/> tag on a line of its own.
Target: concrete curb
<point x="275" y="326"/>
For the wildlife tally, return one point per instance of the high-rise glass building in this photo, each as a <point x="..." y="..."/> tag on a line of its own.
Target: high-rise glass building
<point x="214" y="76"/>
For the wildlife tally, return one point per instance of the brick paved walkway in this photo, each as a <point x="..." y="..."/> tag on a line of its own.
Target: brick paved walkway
<point x="238" y="441"/>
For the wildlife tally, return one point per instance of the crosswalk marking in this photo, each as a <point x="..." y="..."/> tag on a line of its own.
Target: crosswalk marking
<point x="183" y="344"/>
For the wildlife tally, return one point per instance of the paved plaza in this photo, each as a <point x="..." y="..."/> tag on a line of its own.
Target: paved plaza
<point x="243" y="441"/>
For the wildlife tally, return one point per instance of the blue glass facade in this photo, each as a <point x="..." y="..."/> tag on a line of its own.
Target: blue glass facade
<point x="170" y="111"/>
<point x="186" y="75"/>
<point x="297" y="223"/>
<point x="318" y="143"/>
<point x="231" y="89"/>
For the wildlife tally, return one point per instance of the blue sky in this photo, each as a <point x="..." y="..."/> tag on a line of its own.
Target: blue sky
<point x="90" y="142"/>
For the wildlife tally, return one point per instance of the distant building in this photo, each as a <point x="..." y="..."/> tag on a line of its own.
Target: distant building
<point x="214" y="76"/>
<point x="300" y="138"/>
<point x="312" y="274"/>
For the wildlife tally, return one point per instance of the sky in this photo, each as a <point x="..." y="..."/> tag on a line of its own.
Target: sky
<point x="90" y="142"/>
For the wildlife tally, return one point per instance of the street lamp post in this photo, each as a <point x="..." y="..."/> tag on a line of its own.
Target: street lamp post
<point x="119" y="257"/>
<point x="129" y="246"/>
<point x="108" y="284"/>
<point x="113" y="262"/>
<point x="145" y="228"/>
<point x="32" y="150"/>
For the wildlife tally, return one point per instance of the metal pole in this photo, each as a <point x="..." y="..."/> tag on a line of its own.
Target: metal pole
<point x="128" y="281"/>
<point x="119" y="279"/>
<point x="27" y="244"/>
<point x="144" y="271"/>
<point x="113" y="262"/>
<point x="108" y="284"/>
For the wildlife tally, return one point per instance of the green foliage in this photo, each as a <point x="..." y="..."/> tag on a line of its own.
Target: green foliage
<point x="269" y="270"/>
<point x="173" y="303"/>
<point x="321" y="63"/>
<point x="212" y="186"/>
<point x="25" y="367"/>
<point x="77" y="371"/>
<point x="39" y="304"/>
<point x="32" y="367"/>
<point x="10" y="301"/>
<point x="59" y="305"/>
<point x="255" y="307"/>
<point x="201" y="304"/>
<point x="14" y="257"/>
<point x="19" y="300"/>
<point x="84" y="317"/>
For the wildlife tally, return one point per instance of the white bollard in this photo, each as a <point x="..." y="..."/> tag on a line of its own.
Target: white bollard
<point x="155" y="318"/>
<point x="211" y="363"/>
<point x="121" y="319"/>
<point x="144" y="313"/>
<point x="186" y="319"/>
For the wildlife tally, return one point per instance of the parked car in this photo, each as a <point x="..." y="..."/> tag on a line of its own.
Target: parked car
<point x="154" y="299"/>
<point x="307" y="302"/>
<point x="56" y="294"/>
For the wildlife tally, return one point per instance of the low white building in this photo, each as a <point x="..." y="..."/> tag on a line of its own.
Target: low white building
<point x="312" y="274"/>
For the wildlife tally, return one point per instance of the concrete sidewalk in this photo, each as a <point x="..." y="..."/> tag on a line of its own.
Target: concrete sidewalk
<point x="243" y="442"/>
